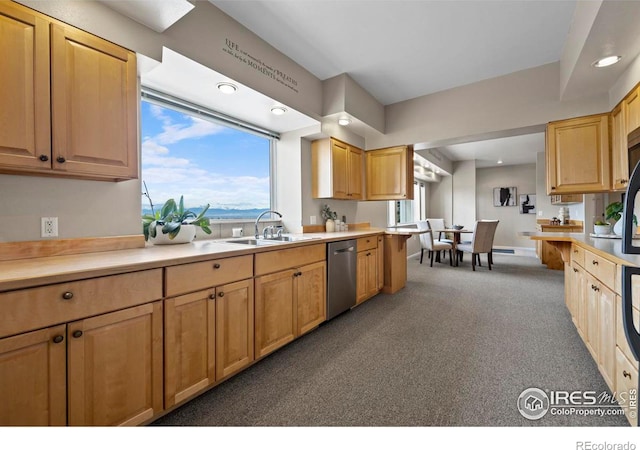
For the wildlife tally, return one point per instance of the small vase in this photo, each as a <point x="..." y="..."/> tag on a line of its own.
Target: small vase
<point x="330" y="226"/>
<point x="602" y="229"/>
<point x="617" y="228"/>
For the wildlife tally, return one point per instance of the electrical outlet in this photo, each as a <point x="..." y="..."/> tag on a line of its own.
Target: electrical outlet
<point x="49" y="226"/>
<point x="540" y="213"/>
<point x="312" y="220"/>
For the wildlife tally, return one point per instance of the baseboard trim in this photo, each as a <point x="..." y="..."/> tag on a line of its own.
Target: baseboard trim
<point x="10" y="251"/>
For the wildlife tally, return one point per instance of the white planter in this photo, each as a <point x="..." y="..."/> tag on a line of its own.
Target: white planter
<point x="187" y="234"/>
<point x="330" y="226"/>
<point x="602" y="229"/>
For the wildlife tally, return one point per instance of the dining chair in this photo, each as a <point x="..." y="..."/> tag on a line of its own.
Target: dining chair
<point x="482" y="242"/>
<point x="438" y="224"/>
<point x="432" y="245"/>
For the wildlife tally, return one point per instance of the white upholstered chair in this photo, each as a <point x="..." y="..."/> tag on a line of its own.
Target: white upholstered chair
<point x="482" y="242"/>
<point x="427" y="242"/>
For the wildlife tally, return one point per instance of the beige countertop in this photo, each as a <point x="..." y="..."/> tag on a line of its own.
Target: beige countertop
<point x="32" y="272"/>
<point x="608" y="248"/>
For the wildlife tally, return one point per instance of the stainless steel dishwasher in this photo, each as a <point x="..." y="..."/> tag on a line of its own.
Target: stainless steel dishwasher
<point x="341" y="277"/>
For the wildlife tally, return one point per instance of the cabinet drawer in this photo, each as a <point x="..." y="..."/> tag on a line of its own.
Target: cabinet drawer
<point x="201" y="275"/>
<point x="621" y="338"/>
<point x="269" y="262"/>
<point x="30" y="309"/>
<point x="626" y="383"/>
<point x="577" y="255"/>
<point x="367" y="243"/>
<point x="601" y="268"/>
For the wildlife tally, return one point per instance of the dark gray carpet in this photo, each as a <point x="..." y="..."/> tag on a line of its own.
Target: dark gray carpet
<point x="453" y="348"/>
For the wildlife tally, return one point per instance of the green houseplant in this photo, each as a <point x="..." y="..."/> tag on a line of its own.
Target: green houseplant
<point x="171" y="218"/>
<point x="614" y="211"/>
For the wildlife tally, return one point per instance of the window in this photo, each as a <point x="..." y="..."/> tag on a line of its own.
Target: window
<point x="190" y="153"/>
<point x="409" y="211"/>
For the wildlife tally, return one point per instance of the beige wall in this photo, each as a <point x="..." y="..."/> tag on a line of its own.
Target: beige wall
<point x="523" y="177"/>
<point x="464" y="193"/>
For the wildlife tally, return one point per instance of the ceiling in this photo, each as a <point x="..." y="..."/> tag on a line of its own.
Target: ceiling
<point x="402" y="49"/>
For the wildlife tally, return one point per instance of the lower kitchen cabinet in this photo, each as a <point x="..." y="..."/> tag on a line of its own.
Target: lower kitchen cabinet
<point x="592" y="300"/>
<point x="234" y="327"/>
<point x="607" y="335"/>
<point x="115" y="367"/>
<point x="369" y="268"/>
<point x="208" y="336"/>
<point x="289" y="303"/>
<point x="33" y="385"/>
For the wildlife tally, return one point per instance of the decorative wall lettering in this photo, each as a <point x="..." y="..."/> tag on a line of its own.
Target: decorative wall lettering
<point x="232" y="48"/>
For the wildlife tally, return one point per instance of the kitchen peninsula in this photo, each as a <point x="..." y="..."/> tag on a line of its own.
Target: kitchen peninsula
<point x="173" y="321"/>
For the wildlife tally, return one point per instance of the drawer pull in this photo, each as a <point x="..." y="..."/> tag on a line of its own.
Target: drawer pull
<point x="58" y="338"/>
<point x="575" y="270"/>
<point x="594" y="262"/>
<point x="212" y="296"/>
<point x="626" y="374"/>
<point x="67" y="295"/>
<point x="77" y="334"/>
<point x="216" y="266"/>
<point x="221" y="294"/>
<point x="61" y="159"/>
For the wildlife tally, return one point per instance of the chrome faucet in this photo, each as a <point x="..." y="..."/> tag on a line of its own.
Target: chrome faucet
<point x="257" y="233"/>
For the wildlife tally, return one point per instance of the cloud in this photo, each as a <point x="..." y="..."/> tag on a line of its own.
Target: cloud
<point x="195" y="128"/>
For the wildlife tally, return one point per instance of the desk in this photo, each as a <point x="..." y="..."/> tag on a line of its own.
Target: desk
<point x="456" y="238"/>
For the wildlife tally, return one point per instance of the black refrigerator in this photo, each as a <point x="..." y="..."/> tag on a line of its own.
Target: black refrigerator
<point x="631" y="245"/>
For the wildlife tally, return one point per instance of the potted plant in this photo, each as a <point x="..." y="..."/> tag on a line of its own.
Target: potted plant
<point x="601" y="227"/>
<point x="329" y="217"/>
<point x="177" y="225"/>
<point x="614" y="211"/>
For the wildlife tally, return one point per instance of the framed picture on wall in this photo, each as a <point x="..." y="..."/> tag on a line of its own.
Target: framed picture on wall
<point x="527" y="203"/>
<point x="504" y="196"/>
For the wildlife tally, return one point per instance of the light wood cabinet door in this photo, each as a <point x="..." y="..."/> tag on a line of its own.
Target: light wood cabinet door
<point x="115" y="367"/>
<point x="340" y="162"/>
<point x="607" y="335"/>
<point x="94" y="106"/>
<point x="579" y="290"/>
<point x="632" y="110"/>
<point x="234" y="327"/>
<point x="25" y="130"/>
<point x="389" y="173"/>
<point x="592" y="299"/>
<point x="189" y="350"/>
<point x="380" y="264"/>
<point x="355" y="174"/>
<point x="311" y="297"/>
<point x="275" y="321"/>
<point x="367" y="275"/>
<point x="33" y="378"/>
<point x="577" y="155"/>
<point x="619" y="150"/>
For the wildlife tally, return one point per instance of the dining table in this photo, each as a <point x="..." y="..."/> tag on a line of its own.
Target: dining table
<point x="457" y="233"/>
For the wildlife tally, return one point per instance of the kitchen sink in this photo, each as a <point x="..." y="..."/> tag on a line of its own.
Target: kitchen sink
<point x="269" y="241"/>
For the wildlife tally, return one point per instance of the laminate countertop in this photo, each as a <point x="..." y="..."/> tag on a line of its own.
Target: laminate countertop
<point x="23" y="273"/>
<point x="605" y="247"/>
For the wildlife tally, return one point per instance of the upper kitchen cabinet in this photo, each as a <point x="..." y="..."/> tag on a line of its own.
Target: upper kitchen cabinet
<point x="73" y="96"/>
<point x="337" y="170"/>
<point x="390" y="173"/>
<point x="631" y="104"/>
<point x="577" y="156"/>
<point x="619" y="153"/>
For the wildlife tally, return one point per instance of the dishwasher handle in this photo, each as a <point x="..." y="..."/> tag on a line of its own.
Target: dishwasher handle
<point x="344" y="250"/>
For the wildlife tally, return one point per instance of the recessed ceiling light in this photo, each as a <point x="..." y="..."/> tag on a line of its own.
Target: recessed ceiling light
<point x="344" y="121"/>
<point x="227" y="88"/>
<point x="608" y="61"/>
<point x="499" y="161"/>
<point x="278" y="110"/>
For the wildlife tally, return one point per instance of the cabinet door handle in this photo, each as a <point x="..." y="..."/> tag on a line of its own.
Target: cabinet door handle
<point x="61" y="159"/>
<point x="58" y="338"/>
<point x="212" y="296"/>
<point x="77" y="334"/>
<point x="44" y="158"/>
<point x="594" y="262"/>
<point x="575" y="270"/>
<point x="221" y="294"/>
<point x="553" y="188"/>
<point x="626" y="374"/>
<point x="216" y="266"/>
<point x="67" y="295"/>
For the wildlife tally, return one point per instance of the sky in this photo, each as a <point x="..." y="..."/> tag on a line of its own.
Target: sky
<point x="204" y="161"/>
